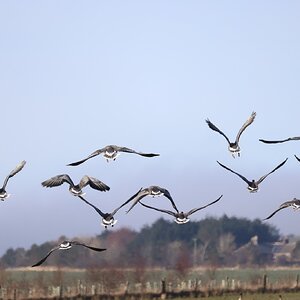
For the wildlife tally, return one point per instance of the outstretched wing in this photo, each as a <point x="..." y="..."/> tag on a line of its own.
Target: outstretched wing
<point x="282" y="206"/>
<point x="168" y="195"/>
<point x="245" y="125"/>
<point x="90" y="247"/>
<point x="263" y="177"/>
<point x="297" y="158"/>
<point x="43" y="259"/>
<point x="196" y="209"/>
<point x="295" y="138"/>
<point x="93" y="183"/>
<point x="95" y="153"/>
<point x="215" y="128"/>
<point x="58" y="180"/>
<point x="128" y="150"/>
<point x="161" y="210"/>
<point x="93" y="206"/>
<point x="17" y="169"/>
<point x="241" y="176"/>
<point x="136" y="198"/>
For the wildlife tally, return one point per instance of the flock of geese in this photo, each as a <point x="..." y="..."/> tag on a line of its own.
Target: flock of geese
<point x="111" y="152"/>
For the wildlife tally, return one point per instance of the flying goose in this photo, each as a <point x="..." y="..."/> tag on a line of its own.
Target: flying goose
<point x="154" y="191"/>
<point x="181" y="217"/>
<point x="65" y="246"/>
<point x="233" y="147"/>
<point x="107" y="218"/>
<point x="295" y="138"/>
<point x="111" y="152"/>
<point x="253" y="185"/>
<point x="18" y="168"/>
<point x="295" y="204"/>
<point x="76" y="190"/>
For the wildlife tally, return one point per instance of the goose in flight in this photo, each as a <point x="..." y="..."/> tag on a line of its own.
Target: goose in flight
<point x="233" y="147"/>
<point x="154" y="191"/>
<point x="111" y="152"/>
<point x="65" y="246"/>
<point x="107" y="218"/>
<point x="18" y="168"/>
<point x="295" y="138"/>
<point x="295" y="204"/>
<point x="76" y="189"/>
<point x="181" y="217"/>
<point x="253" y="185"/>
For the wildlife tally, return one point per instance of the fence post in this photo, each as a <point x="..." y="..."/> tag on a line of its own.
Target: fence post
<point x="297" y="280"/>
<point x="265" y="279"/>
<point x="15" y="294"/>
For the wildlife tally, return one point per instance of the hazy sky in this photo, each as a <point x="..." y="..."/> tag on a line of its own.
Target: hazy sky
<point x="78" y="75"/>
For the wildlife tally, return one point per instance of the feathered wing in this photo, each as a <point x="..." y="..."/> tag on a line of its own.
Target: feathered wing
<point x="136" y="198"/>
<point x="17" y="169"/>
<point x="196" y="209"/>
<point x="128" y="150"/>
<point x="168" y="195"/>
<point x="58" y="180"/>
<point x="241" y="176"/>
<point x="161" y="210"/>
<point x="93" y="183"/>
<point x="295" y="138"/>
<point x="89" y="247"/>
<point x="93" y="206"/>
<point x="297" y="158"/>
<point x="43" y="259"/>
<point x="264" y="177"/>
<point x="245" y="125"/>
<point x="282" y="206"/>
<point x="95" y="153"/>
<point x="127" y="201"/>
<point x="215" y="128"/>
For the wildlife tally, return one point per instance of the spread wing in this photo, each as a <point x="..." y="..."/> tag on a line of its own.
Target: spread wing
<point x="93" y="206"/>
<point x="297" y="158"/>
<point x="127" y="201"/>
<point x="17" y="169"/>
<point x="43" y="259"/>
<point x="215" y="128"/>
<point x="89" y="247"/>
<point x="196" y="209"/>
<point x="282" y="206"/>
<point x="168" y="195"/>
<point x="245" y="125"/>
<point x="136" y="198"/>
<point x="58" y="180"/>
<point x="128" y="150"/>
<point x="95" y="153"/>
<point x="93" y="183"/>
<point x="263" y="177"/>
<point x="241" y="176"/>
<point x="161" y="210"/>
<point x="295" y="138"/>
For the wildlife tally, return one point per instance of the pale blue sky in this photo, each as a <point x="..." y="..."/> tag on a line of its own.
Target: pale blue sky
<point x="78" y="75"/>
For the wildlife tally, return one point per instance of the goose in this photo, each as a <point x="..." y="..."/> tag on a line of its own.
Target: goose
<point x="181" y="217"/>
<point x="295" y="204"/>
<point x="76" y="190"/>
<point x="18" y="168"/>
<point x="233" y="147"/>
<point x="253" y="185"/>
<point x="295" y="138"/>
<point x="66" y="245"/>
<point x="154" y="191"/>
<point x="107" y="218"/>
<point x="111" y="152"/>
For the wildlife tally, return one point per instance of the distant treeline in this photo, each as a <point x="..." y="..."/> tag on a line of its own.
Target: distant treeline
<point x="220" y="241"/>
